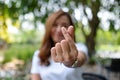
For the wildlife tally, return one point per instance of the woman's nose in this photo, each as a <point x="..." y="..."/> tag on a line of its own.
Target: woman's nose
<point x="59" y="28"/>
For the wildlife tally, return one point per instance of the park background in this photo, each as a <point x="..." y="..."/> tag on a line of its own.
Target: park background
<point x="22" y="22"/>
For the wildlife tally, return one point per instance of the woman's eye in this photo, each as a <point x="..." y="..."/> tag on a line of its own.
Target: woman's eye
<point x="54" y="25"/>
<point x="65" y="25"/>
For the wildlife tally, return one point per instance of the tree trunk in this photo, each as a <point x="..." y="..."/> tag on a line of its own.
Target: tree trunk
<point x="91" y="38"/>
<point x="93" y="24"/>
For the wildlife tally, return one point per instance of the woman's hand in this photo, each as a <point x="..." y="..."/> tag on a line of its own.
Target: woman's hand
<point x="65" y="51"/>
<point x="35" y="77"/>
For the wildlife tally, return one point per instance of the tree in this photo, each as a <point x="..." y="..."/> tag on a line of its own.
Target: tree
<point x="94" y="23"/>
<point x="42" y="8"/>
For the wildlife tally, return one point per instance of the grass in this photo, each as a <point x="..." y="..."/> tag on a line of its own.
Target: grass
<point x="109" y="47"/>
<point x="20" y="51"/>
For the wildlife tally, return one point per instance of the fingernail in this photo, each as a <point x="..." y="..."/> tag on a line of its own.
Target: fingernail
<point x="71" y="26"/>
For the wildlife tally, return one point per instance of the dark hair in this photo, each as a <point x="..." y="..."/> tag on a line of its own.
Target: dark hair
<point x="47" y="40"/>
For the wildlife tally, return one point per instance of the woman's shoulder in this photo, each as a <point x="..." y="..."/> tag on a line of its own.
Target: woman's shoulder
<point x="36" y="53"/>
<point x="79" y="44"/>
<point x="36" y="56"/>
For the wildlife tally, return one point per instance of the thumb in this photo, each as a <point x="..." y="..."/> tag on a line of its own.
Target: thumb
<point x="70" y="30"/>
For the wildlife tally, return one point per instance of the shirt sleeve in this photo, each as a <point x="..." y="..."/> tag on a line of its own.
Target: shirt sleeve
<point x="83" y="48"/>
<point x="35" y="63"/>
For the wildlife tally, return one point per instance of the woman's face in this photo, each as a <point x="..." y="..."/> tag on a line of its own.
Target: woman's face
<point x="56" y="33"/>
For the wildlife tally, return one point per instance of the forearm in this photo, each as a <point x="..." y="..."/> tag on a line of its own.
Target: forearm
<point x="82" y="58"/>
<point x="79" y="61"/>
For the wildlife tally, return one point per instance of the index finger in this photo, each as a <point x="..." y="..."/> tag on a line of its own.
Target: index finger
<point x="65" y="34"/>
<point x="70" y="30"/>
<point x="68" y="38"/>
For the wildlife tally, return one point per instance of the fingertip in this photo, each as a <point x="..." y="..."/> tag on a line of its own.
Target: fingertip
<point x="63" y="41"/>
<point x="52" y="49"/>
<point x="57" y="44"/>
<point x="63" y="27"/>
<point x="70" y="28"/>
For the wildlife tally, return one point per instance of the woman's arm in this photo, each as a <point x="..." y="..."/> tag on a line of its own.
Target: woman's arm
<point x="35" y="77"/>
<point x="80" y="60"/>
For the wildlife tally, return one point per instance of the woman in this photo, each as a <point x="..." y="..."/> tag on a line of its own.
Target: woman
<point x="59" y="57"/>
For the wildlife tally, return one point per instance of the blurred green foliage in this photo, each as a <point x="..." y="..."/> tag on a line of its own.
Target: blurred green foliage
<point x="109" y="48"/>
<point x="20" y="51"/>
<point x="108" y="37"/>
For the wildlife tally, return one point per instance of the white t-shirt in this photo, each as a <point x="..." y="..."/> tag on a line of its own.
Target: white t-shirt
<point x="57" y="71"/>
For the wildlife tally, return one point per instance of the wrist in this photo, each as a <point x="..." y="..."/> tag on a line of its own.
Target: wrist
<point x="75" y="63"/>
<point x="69" y="63"/>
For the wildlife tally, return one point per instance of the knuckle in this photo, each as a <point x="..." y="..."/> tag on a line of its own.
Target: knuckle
<point x="56" y="60"/>
<point x="67" y="58"/>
